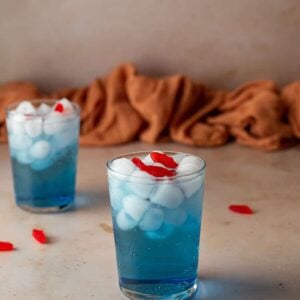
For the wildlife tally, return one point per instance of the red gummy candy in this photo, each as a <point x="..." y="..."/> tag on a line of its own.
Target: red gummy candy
<point x="153" y="170"/>
<point x="39" y="236"/>
<point x="59" y="108"/>
<point x="164" y="159"/>
<point x="241" y="209"/>
<point x="6" y="246"/>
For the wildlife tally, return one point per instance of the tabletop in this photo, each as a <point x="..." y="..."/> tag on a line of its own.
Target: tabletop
<point x="242" y="256"/>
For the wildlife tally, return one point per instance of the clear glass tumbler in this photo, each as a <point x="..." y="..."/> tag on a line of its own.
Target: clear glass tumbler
<point x="43" y="143"/>
<point x="157" y="223"/>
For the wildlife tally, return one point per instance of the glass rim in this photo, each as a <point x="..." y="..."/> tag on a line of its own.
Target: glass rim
<point x="139" y="153"/>
<point x="51" y="102"/>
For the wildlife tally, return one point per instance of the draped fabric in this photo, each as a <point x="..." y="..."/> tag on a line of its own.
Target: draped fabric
<point x="126" y="106"/>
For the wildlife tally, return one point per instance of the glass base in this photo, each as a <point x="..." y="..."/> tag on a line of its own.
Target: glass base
<point x="178" y="296"/>
<point x="45" y="210"/>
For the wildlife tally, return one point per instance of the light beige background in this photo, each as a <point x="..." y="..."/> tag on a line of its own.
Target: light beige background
<point x="59" y="43"/>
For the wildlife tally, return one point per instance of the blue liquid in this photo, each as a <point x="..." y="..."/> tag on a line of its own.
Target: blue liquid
<point x="162" y="262"/>
<point x="50" y="187"/>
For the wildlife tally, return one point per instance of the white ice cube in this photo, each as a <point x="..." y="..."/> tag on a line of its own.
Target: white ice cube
<point x="66" y="138"/>
<point x="168" y="195"/>
<point x="141" y="184"/>
<point x="116" y="196"/>
<point x="179" y="157"/>
<point x="43" y="109"/>
<point x="26" y="108"/>
<point x="152" y="220"/>
<point x="190" y="184"/>
<point x="157" y="164"/>
<point x="15" y="122"/>
<point x="40" y="149"/>
<point x="190" y="164"/>
<point x="147" y="160"/>
<point x="175" y="217"/>
<point x="68" y="107"/>
<point x="54" y="122"/>
<point x="135" y="207"/>
<point x="124" y="221"/>
<point x="23" y="157"/>
<point x="186" y="168"/>
<point x="19" y="141"/>
<point x="123" y="166"/>
<point x="33" y="127"/>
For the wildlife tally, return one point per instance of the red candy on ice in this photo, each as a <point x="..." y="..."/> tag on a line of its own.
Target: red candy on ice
<point x="241" y="209"/>
<point x="39" y="236"/>
<point x="6" y="246"/>
<point x="164" y="159"/>
<point x="153" y="170"/>
<point x="59" y="108"/>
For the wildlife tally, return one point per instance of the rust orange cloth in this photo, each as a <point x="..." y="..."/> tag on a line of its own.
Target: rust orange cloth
<point x="126" y="106"/>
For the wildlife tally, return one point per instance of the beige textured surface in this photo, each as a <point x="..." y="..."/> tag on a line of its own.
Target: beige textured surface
<point x="242" y="257"/>
<point x="64" y="43"/>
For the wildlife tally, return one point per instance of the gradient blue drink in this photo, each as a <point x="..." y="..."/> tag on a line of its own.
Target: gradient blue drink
<point x="43" y="150"/>
<point x="157" y="228"/>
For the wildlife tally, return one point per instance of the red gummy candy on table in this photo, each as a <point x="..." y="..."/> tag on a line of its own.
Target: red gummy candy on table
<point x="6" y="246"/>
<point x="164" y="159"/>
<point x="39" y="236"/>
<point x="59" y="108"/>
<point x="153" y="170"/>
<point x="241" y="209"/>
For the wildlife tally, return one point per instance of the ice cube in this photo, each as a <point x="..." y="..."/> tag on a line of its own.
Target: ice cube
<point x="135" y="207"/>
<point x="66" y="138"/>
<point x="191" y="184"/>
<point x="15" y="123"/>
<point x="116" y="196"/>
<point x="33" y="127"/>
<point x="175" y="217"/>
<point x="123" y="166"/>
<point x="186" y="168"/>
<point x="168" y="195"/>
<point x="165" y="231"/>
<point x="147" y="160"/>
<point x="54" y="123"/>
<point x="190" y="164"/>
<point x="157" y="164"/>
<point x="40" y="149"/>
<point x="68" y="107"/>
<point x="152" y="220"/>
<point x="26" y="108"/>
<point x="43" y="109"/>
<point x="179" y="157"/>
<point x="24" y="157"/>
<point x="19" y="141"/>
<point x="124" y="221"/>
<point x="41" y="164"/>
<point x="141" y="184"/>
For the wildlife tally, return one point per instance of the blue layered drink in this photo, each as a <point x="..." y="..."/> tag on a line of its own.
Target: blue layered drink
<point x="156" y="202"/>
<point x="43" y="143"/>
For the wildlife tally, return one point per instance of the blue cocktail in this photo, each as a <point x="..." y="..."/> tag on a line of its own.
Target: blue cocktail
<point x="43" y="142"/>
<point x="157" y="221"/>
